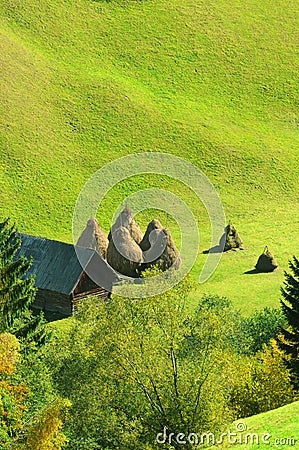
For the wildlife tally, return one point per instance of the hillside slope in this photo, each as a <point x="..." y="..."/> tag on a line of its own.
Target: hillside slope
<point x="279" y="427"/>
<point x="86" y="82"/>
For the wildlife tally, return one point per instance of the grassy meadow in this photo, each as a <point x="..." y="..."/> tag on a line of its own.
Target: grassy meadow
<point x="86" y="82"/>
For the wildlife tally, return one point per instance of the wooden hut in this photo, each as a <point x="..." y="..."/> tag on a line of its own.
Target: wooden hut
<point x="65" y="274"/>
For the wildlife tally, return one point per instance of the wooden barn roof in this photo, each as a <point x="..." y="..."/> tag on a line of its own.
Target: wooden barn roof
<point x="56" y="266"/>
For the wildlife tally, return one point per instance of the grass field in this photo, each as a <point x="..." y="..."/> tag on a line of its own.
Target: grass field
<point x="281" y="426"/>
<point x="86" y="82"/>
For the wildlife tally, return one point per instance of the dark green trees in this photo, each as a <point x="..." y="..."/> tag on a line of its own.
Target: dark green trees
<point x="289" y="340"/>
<point x="17" y="291"/>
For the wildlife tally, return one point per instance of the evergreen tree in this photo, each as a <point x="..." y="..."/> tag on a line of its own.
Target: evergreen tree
<point x="289" y="341"/>
<point x="17" y="291"/>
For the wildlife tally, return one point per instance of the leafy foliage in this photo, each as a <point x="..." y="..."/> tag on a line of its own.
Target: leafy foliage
<point x="143" y="364"/>
<point x="45" y="432"/>
<point x="31" y="415"/>
<point x="257" y="330"/>
<point x="9" y="353"/>
<point x="12" y="396"/>
<point x="26" y="387"/>
<point x="260" y="383"/>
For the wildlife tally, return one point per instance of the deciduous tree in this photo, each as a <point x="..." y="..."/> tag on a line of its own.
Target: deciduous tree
<point x="132" y="367"/>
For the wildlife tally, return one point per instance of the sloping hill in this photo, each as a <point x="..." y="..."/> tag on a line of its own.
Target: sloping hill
<point x="86" y="82"/>
<point x="278" y="427"/>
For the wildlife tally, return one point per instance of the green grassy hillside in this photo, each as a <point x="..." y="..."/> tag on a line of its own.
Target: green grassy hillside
<point x="86" y="82"/>
<point x="281" y="424"/>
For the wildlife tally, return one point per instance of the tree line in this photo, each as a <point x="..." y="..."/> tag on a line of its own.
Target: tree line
<point x="125" y="370"/>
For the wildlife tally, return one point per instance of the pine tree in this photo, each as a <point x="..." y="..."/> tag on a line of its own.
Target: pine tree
<point x="17" y="291"/>
<point x="289" y="340"/>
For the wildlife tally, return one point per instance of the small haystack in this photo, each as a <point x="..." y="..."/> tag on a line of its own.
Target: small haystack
<point x="147" y="240"/>
<point x="231" y="238"/>
<point x="170" y="257"/>
<point x="266" y="262"/>
<point x="126" y="220"/>
<point x="94" y="237"/>
<point x="123" y="254"/>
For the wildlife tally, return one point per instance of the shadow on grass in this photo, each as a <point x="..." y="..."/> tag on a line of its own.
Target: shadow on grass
<point x="216" y="249"/>
<point x="251" y="272"/>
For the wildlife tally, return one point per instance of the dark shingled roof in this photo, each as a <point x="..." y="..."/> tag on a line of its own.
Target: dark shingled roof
<point x="56" y="266"/>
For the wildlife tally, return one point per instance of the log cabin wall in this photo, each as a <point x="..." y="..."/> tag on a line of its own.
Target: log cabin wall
<point x="98" y="293"/>
<point x="87" y="288"/>
<point x="53" y="301"/>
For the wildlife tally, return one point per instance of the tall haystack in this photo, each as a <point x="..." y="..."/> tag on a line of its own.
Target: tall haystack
<point x="126" y="220"/>
<point x="135" y="231"/>
<point x="158" y="243"/>
<point x="231" y="238"/>
<point x="123" y="254"/>
<point x="170" y="257"/>
<point x="149" y="235"/>
<point x="266" y="262"/>
<point x="94" y="237"/>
